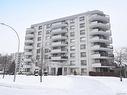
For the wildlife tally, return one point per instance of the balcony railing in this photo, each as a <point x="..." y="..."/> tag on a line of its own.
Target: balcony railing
<point x="29" y="35"/>
<point x="29" y="30"/>
<point x="58" y="51"/>
<point x="59" y="44"/>
<point x="29" y="41"/>
<point x="96" y="31"/>
<point x="58" y="37"/>
<point x="96" y="17"/>
<point x="98" y="39"/>
<point x="100" y="56"/>
<point x="100" y="25"/>
<point x="28" y="53"/>
<point x="59" y="24"/>
<point x="98" y="47"/>
<point x="28" y="47"/>
<point x="58" y="31"/>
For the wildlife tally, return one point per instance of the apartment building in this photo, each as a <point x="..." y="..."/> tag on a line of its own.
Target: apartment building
<point x="76" y="44"/>
<point x="19" y="60"/>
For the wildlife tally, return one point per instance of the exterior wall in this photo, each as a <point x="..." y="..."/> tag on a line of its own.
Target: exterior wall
<point x="59" y="50"/>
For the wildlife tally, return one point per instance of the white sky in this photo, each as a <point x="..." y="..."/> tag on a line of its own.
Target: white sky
<point x="20" y="14"/>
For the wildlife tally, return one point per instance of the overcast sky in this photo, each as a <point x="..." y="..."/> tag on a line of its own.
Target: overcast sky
<point x="20" y="14"/>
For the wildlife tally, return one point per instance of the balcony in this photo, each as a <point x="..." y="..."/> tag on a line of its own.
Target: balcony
<point x="95" y="65"/>
<point x="27" y="66"/>
<point x="100" y="25"/>
<point x="59" y="58"/>
<point x="59" y="44"/>
<point x="99" y="56"/>
<point x="97" y="17"/>
<point x="97" y="39"/>
<point x="98" y="47"/>
<point x="29" y="30"/>
<point x="27" y="60"/>
<point x="58" y="31"/>
<point x="105" y="33"/>
<point x="29" y="41"/>
<point x="28" y="53"/>
<point x="28" y="47"/>
<point x="58" y="37"/>
<point x="59" y="24"/>
<point x="58" y="51"/>
<point x="29" y="35"/>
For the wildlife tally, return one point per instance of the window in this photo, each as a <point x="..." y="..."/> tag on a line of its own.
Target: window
<point x="72" y="27"/>
<point x="72" y="40"/>
<point x="72" y="34"/>
<point x="72" y="55"/>
<point x="39" y="33"/>
<point x="83" y="71"/>
<point x="46" y="57"/>
<point x="38" y="50"/>
<point x="82" y="39"/>
<point x="82" y="32"/>
<point x="97" y="61"/>
<point x="82" y="18"/>
<point x="48" y="31"/>
<point x="83" y="63"/>
<point x="38" y="57"/>
<point x="47" y="50"/>
<point x="82" y="25"/>
<point x="72" y="21"/>
<point x="72" y="48"/>
<point x="40" y="27"/>
<point x="38" y="44"/>
<point x="48" y="26"/>
<point x="39" y="39"/>
<point x="47" y="37"/>
<point x="83" y="54"/>
<point x="82" y="46"/>
<point x="72" y="62"/>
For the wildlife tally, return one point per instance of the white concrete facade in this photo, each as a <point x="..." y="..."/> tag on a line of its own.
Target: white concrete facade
<point x="75" y="44"/>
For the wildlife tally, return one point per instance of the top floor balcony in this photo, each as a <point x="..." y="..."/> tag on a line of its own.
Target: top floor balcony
<point x="97" y="17"/>
<point x="59" y="24"/>
<point x="30" y="30"/>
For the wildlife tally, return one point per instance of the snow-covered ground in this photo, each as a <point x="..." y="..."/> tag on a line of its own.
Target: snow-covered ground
<point x="62" y="85"/>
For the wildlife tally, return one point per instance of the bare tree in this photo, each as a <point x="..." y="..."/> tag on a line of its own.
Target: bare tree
<point x="121" y="61"/>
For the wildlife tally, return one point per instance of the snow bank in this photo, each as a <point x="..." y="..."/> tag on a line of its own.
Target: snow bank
<point x="62" y="85"/>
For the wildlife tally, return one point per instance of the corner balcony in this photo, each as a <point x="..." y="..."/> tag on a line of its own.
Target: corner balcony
<point x="29" y="41"/>
<point x="28" y="47"/>
<point x="29" y="35"/>
<point x="99" y="56"/>
<point x="58" y="37"/>
<point x="59" y="24"/>
<point x="58" y="31"/>
<point x="54" y="44"/>
<point x="100" y="25"/>
<point x="28" y="53"/>
<point x="58" y="51"/>
<point x="97" y="17"/>
<point x="29" y="30"/>
<point x="105" y="33"/>
<point x="98" y="47"/>
<point x="95" y="65"/>
<point x="97" y="39"/>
